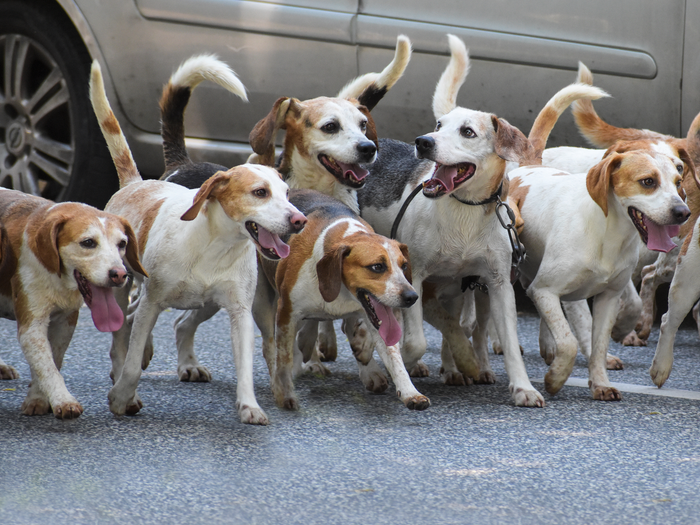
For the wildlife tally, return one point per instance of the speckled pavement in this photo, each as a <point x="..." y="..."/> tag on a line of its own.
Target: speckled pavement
<point x="349" y="456"/>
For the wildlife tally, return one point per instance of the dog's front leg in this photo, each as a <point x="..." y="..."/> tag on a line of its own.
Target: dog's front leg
<point x="285" y="332"/>
<point x="505" y="320"/>
<point x="120" y="338"/>
<point x="123" y="398"/>
<point x="605" y="307"/>
<point x="188" y="367"/>
<point x="391" y="356"/>
<point x="414" y="342"/>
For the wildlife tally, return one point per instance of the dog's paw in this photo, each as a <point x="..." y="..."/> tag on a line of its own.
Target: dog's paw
<point x="327" y="347"/>
<point x="553" y="383"/>
<point x="68" y="410"/>
<point x="497" y="348"/>
<point x="419" y="402"/>
<point x="605" y="393"/>
<point x="134" y="406"/>
<point x="614" y="363"/>
<point x="548" y="354"/>
<point x="486" y="377"/>
<point x="643" y="330"/>
<point x="316" y="368"/>
<point x="375" y="381"/>
<point x="659" y="371"/>
<point x="525" y="397"/>
<point x="252" y="415"/>
<point x="633" y="339"/>
<point x="289" y="403"/>
<point x="454" y="378"/>
<point x="193" y="374"/>
<point x="420" y="370"/>
<point x="35" y="406"/>
<point x="8" y="372"/>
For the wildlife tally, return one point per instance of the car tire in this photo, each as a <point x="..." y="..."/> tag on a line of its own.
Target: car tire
<point x="50" y="141"/>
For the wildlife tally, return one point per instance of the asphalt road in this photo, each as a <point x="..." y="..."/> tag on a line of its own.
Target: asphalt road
<point x="349" y="456"/>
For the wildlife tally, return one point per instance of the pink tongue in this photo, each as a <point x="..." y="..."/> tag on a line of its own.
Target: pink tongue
<point x="389" y="330"/>
<point x="353" y="171"/>
<point x="106" y="314"/>
<point x="660" y="236"/>
<point x="272" y="242"/>
<point x="446" y="175"/>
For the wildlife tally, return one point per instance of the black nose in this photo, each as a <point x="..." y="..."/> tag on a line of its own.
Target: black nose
<point x="680" y="213"/>
<point x="367" y="149"/>
<point x="409" y="297"/>
<point x="424" y="145"/>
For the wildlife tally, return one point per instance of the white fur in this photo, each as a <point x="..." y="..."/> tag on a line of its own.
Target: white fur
<point x="199" y="68"/>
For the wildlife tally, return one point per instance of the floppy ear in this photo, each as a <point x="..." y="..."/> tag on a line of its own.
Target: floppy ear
<point x="407" y="272"/>
<point x="371" y="132"/>
<point x="204" y="193"/>
<point x="598" y="179"/>
<point x="44" y="243"/>
<point x="132" y="249"/>
<point x="510" y="143"/>
<point x="262" y="138"/>
<point x="330" y="273"/>
<point x="689" y="164"/>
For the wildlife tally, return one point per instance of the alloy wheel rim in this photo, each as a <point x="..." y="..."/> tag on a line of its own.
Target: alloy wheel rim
<point x="37" y="142"/>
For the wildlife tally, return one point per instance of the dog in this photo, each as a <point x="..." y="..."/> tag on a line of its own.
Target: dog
<point x="582" y="233"/>
<point x="329" y="143"/>
<point x="199" y="247"/>
<point x="337" y="267"/>
<point x="453" y="230"/>
<point x="54" y="257"/>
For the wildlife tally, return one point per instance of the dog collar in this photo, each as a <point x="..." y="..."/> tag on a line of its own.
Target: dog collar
<point x="493" y="198"/>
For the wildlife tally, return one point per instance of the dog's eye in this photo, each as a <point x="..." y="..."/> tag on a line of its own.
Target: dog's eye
<point x="648" y="182"/>
<point x="378" y="268"/>
<point x="88" y="243"/>
<point x="260" y="192"/>
<point x="331" y="127"/>
<point x="467" y="132"/>
<point x="363" y="126"/>
<point x="678" y="184"/>
<point x="680" y="168"/>
<point x="122" y="244"/>
<point x="438" y="126"/>
<point x="404" y="267"/>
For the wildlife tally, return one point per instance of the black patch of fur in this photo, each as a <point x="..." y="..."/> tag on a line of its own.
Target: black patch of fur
<point x="191" y="175"/>
<point x="314" y="202"/>
<point x="172" y="113"/>
<point x="372" y="95"/>
<point x="396" y="166"/>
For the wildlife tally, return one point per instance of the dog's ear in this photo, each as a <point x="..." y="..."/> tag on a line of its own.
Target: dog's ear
<point x="510" y="143"/>
<point x="330" y="273"/>
<point x="43" y="241"/>
<point x="599" y="177"/>
<point x="209" y="186"/>
<point x="132" y="248"/>
<point x="262" y="138"/>
<point x="371" y="132"/>
<point x="407" y="272"/>
<point x="685" y="156"/>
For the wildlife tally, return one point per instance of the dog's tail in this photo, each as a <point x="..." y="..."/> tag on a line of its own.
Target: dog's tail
<point x="176" y="95"/>
<point x="594" y="129"/>
<point x="551" y="112"/>
<point x="370" y="88"/>
<point x="445" y="96"/>
<point x="116" y="142"/>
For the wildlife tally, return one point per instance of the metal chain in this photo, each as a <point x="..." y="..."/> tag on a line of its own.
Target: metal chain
<point x="518" y="248"/>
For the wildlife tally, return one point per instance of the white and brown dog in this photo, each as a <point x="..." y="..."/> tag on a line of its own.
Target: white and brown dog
<point x="582" y="234"/>
<point x="199" y="247"/>
<point x="452" y="229"/>
<point x="328" y="145"/>
<point x="52" y="258"/>
<point x="337" y="267"/>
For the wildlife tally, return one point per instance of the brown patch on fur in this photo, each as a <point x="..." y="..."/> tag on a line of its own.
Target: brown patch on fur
<point x="685" y="245"/>
<point x="148" y="216"/>
<point x="72" y="318"/>
<point x="21" y="305"/>
<point x="598" y="179"/>
<point x="126" y="169"/>
<point x="540" y="132"/>
<point x="132" y="248"/>
<point x="8" y="263"/>
<point x="510" y="143"/>
<point x="111" y="125"/>
<point x="262" y="137"/>
<point x="516" y="199"/>
<point x="625" y="180"/>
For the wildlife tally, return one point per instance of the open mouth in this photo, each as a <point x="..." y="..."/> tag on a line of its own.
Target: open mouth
<point x="269" y="244"/>
<point x="656" y="236"/>
<point x="381" y="316"/>
<point x="352" y="175"/>
<point x="446" y="179"/>
<point x="106" y="313"/>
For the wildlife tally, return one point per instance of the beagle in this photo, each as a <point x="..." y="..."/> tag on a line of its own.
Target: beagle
<point x="329" y="144"/>
<point x="337" y="267"/>
<point x="453" y="229"/>
<point x="54" y="257"/>
<point x="582" y="234"/>
<point x="199" y="247"/>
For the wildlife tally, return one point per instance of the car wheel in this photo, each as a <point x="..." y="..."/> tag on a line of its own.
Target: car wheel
<point x="50" y="142"/>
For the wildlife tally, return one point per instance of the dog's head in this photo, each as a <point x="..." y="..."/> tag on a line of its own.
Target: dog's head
<point x="376" y="271"/>
<point x="646" y="185"/>
<point x="93" y="250"/>
<point x="327" y="139"/>
<point x="256" y="197"/>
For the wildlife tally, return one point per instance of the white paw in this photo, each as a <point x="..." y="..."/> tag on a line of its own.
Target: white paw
<point x="614" y="363"/>
<point x="660" y="370"/>
<point x="527" y="397"/>
<point x="316" y="368"/>
<point x="193" y="374"/>
<point x="420" y="370"/>
<point x="252" y="415"/>
<point x="453" y="378"/>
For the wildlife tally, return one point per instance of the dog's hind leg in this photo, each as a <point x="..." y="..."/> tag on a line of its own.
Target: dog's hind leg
<point x="327" y="344"/>
<point x="306" y="342"/>
<point x="579" y="316"/>
<point x="188" y="367"/>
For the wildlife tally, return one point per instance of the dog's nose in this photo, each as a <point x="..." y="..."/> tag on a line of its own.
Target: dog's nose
<point x="367" y="149"/>
<point x="424" y="144"/>
<point x="409" y="297"/>
<point x="680" y="213"/>
<point x="298" y="221"/>
<point x="117" y="276"/>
